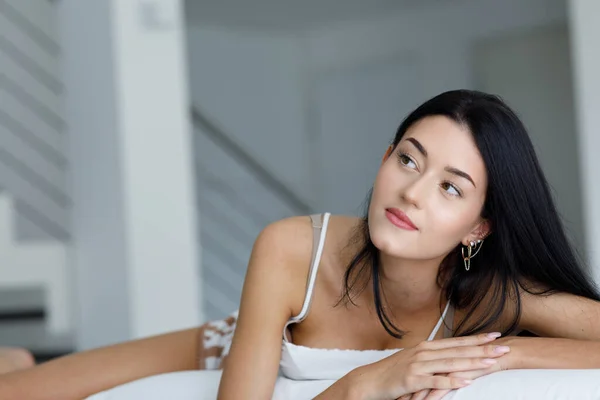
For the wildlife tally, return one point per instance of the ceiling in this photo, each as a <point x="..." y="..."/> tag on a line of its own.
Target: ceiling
<point x="287" y="15"/>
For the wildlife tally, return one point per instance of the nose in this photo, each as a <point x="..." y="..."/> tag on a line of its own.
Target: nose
<point x="415" y="192"/>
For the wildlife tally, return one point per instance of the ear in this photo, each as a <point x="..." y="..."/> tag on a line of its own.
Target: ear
<point x="482" y="230"/>
<point x="388" y="153"/>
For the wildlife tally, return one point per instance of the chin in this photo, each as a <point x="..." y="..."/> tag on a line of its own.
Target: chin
<point x="389" y="242"/>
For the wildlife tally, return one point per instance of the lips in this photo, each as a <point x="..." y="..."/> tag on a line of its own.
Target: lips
<point x="400" y="219"/>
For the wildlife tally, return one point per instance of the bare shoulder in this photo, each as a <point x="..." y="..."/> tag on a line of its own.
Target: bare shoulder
<point x="283" y="250"/>
<point x="289" y="239"/>
<point x="292" y="238"/>
<point x="280" y="260"/>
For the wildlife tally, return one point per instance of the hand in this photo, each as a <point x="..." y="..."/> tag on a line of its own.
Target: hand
<point x="503" y="364"/>
<point x="426" y="366"/>
<point x="438" y="394"/>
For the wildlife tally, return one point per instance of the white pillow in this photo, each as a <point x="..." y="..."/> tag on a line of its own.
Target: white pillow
<point x="533" y="384"/>
<point x="540" y="384"/>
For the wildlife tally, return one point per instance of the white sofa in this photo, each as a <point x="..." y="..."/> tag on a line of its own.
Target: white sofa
<point x="513" y="385"/>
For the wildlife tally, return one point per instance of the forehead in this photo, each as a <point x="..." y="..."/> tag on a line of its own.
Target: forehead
<point x="448" y="144"/>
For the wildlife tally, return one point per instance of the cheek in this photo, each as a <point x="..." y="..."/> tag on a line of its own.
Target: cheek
<point x="389" y="180"/>
<point x="382" y="186"/>
<point x="452" y="222"/>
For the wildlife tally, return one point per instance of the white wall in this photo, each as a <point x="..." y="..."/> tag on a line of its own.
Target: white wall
<point x="427" y="31"/>
<point x="92" y="116"/>
<point x="532" y="71"/>
<point x="251" y="84"/>
<point x="585" y="32"/>
<point x="134" y="221"/>
<point x="359" y="110"/>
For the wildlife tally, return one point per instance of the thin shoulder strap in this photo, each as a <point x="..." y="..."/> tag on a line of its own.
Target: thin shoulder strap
<point x="319" y="223"/>
<point x="439" y="323"/>
<point x="449" y="323"/>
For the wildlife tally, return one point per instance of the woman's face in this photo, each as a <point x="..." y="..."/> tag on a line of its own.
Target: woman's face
<point x="437" y="178"/>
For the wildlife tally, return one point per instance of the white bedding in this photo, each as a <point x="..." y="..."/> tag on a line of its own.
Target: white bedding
<point x="513" y="385"/>
<point x="533" y="384"/>
<point x="186" y="385"/>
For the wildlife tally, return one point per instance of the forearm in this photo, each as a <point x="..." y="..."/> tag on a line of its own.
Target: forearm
<point x="549" y="353"/>
<point x="82" y="374"/>
<point x="349" y="387"/>
<point x="338" y="391"/>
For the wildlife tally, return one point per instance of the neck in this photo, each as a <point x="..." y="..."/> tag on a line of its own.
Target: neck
<point x="410" y="286"/>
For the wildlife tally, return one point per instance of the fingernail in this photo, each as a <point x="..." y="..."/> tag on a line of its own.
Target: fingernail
<point x="489" y="361"/>
<point x="466" y="381"/>
<point x="494" y="335"/>
<point x="502" y="349"/>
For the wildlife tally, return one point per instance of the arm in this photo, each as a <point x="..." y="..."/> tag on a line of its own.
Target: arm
<point x="82" y="374"/>
<point x="570" y="330"/>
<point x="274" y="283"/>
<point x="417" y="369"/>
<point x="550" y="353"/>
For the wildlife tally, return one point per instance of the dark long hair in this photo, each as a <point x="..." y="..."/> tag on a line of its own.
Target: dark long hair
<point x="528" y="244"/>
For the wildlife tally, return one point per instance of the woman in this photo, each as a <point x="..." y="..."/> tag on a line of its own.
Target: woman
<point x="461" y="242"/>
<point x="460" y="218"/>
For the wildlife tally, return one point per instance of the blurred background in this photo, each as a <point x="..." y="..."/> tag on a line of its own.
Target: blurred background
<point x="145" y="143"/>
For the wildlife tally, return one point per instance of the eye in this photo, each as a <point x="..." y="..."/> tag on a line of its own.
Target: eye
<point x="406" y="161"/>
<point x="451" y="189"/>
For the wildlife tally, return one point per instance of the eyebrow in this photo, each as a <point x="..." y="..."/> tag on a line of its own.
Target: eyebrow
<point x="460" y="173"/>
<point x="452" y="170"/>
<point x="418" y="145"/>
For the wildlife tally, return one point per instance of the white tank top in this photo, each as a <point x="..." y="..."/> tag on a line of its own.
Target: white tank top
<point x="306" y="371"/>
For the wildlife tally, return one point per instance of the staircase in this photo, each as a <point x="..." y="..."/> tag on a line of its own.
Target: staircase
<point x="34" y="201"/>
<point x="237" y="198"/>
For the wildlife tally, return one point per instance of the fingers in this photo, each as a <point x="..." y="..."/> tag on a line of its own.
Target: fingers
<point x="474" y="374"/>
<point x="437" y="394"/>
<point x="441" y="382"/>
<point x="452" y="365"/>
<point x="481" y="351"/>
<point x="475" y="340"/>
<point x="420" y="395"/>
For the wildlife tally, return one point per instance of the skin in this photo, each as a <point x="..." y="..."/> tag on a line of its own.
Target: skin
<point x="445" y="207"/>
<point x="14" y="359"/>
<point x="83" y="374"/>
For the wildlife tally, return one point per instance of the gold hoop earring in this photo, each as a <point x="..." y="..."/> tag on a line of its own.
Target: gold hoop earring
<point x="472" y="250"/>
